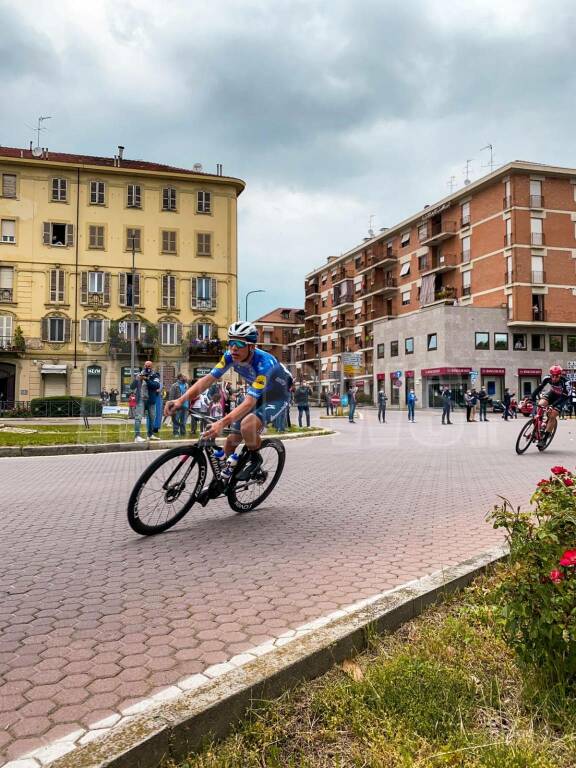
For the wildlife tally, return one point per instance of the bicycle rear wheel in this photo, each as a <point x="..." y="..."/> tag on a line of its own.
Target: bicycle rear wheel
<point x="549" y="438"/>
<point x="166" y="490"/>
<point x="526" y="437"/>
<point x="246" y="495"/>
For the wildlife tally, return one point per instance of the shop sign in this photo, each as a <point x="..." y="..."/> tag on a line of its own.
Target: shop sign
<point x="352" y="363"/>
<point x="529" y="371"/>
<point x="380" y="377"/>
<point x="428" y="372"/>
<point x="493" y="371"/>
<point x="199" y="372"/>
<point x="409" y="374"/>
<point x="94" y="370"/>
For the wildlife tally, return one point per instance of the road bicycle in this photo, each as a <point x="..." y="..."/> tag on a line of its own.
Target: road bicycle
<point x="180" y="478"/>
<point x="534" y="430"/>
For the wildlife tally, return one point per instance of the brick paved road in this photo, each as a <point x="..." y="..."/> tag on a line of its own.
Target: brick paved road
<point x="93" y="618"/>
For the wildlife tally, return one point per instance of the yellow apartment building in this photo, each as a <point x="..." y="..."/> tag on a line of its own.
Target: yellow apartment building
<point x="95" y="251"/>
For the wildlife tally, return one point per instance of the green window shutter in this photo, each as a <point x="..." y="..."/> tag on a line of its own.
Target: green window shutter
<point x="106" y="288"/>
<point x="84" y="330"/>
<point x="46" y="239"/>
<point x="164" y="290"/>
<point x="178" y="333"/>
<point x="122" y="298"/>
<point x="60" y="293"/>
<point x="69" y="235"/>
<point x="214" y="290"/>
<point x="194" y="292"/>
<point x="53" y="284"/>
<point x="84" y="287"/>
<point x="136" y="289"/>
<point x="67" y="329"/>
<point x="45" y="328"/>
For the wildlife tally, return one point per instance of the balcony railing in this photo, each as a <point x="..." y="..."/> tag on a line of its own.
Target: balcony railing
<point x="6" y="295"/>
<point x="345" y="298"/>
<point x="448" y="293"/>
<point x="538" y="277"/>
<point x="467" y="290"/>
<point x="423" y="263"/>
<point x="312" y="288"/>
<point x="344" y="324"/>
<point x="437" y="232"/>
<point x="465" y="221"/>
<point x="7" y="345"/>
<point x="537" y="238"/>
<point x="204" y="348"/>
<point x="539" y="314"/>
<point x="441" y="263"/>
<point x="536" y="201"/>
<point x="379" y="285"/>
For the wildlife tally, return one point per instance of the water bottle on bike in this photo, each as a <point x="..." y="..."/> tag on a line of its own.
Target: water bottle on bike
<point x="231" y="462"/>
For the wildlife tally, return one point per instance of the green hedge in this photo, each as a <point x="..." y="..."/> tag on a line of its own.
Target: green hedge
<point x="65" y="405"/>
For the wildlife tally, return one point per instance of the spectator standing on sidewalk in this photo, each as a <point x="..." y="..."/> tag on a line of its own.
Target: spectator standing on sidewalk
<point x="146" y="387"/>
<point x="382" y="400"/>
<point x="474" y="403"/>
<point x="507" y="401"/>
<point x="446" y="396"/>
<point x="468" y="403"/>
<point x="352" y="394"/>
<point x="483" y="402"/>
<point x="179" y="417"/>
<point x="326" y="398"/>
<point x="411" y="402"/>
<point x="114" y="396"/>
<point x="302" y="402"/>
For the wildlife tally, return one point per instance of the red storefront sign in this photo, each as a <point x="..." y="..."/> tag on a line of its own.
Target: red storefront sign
<point x="493" y="371"/>
<point x="529" y="371"/>
<point x="380" y="377"/>
<point x="409" y="374"/>
<point x="428" y="372"/>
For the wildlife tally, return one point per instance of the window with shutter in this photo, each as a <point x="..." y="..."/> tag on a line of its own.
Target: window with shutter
<point x="203" y="244"/>
<point x="8" y="231"/>
<point x="8" y="185"/>
<point x="95" y="236"/>
<point x="204" y="331"/>
<point x="96" y="282"/>
<point x="59" y="190"/>
<point x="169" y="291"/>
<point x="203" y="202"/>
<point x="133" y="236"/>
<point x="56" y="329"/>
<point x="123" y="289"/>
<point x="136" y="289"/>
<point x="97" y="193"/>
<point x="84" y="287"/>
<point x="57" y="285"/>
<point x="6" y="322"/>
<point x="95" y="331"/>
<point x="134" y="196"/>
<point x="168" y="241"/>
<point x="205" y="293"/>
<point x="107" y="288"/>
<point x="168" y="199"/>
<point x="169" y="333"/>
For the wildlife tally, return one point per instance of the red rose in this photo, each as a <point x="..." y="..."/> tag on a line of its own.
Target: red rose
<point x="568" y="558"/>
<point x="559" y="471"/>
<point x="556" y="576"/>
<point x="542" y="483"/>
<point x="568" y="481"/>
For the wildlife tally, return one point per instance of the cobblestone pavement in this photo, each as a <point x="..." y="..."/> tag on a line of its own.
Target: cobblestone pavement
<point x="94" y="618"/>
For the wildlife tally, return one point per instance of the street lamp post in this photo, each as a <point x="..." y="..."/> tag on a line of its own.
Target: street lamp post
<point x="258" y="290"/>
<point x="132" y="315"/>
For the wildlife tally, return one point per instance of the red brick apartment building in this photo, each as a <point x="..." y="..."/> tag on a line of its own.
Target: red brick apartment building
<point x="505" y="243"/>
<point x="279" y="328"/>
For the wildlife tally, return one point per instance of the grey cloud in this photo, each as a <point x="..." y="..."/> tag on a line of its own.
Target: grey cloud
<point x="24" y="52"/>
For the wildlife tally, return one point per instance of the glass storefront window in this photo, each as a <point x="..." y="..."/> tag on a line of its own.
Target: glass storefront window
<point x="482" y="340"/>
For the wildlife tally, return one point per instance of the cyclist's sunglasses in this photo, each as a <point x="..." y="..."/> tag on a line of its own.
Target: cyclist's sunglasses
<point x="237" y="343"/>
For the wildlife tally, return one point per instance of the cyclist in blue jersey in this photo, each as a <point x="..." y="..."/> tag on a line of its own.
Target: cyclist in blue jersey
<point x="267" y="391"/>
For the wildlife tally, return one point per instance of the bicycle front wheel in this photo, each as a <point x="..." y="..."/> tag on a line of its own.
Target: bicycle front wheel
<point x="166" y="490"/>
<point x="526" y="437"/>
<point x="246" y="495"/>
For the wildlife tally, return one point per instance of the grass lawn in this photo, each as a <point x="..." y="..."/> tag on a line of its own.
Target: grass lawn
<point x="101" y="431"/>
<point x="444" y="690"/>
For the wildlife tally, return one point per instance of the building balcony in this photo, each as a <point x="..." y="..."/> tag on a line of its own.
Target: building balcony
<point x="6" y="295"/>
<point x="344" y="326"/>
<point x="204" y="348"/>
<point x="442" y="263"/>
<point x="382" y="285"/>
<point x="343" y="299"/>
<point x="310" y="333"/>
<point x="436" y="233"/>
<point x="343" y="273"/>
<point x="312" y="288"/>
<point x="445" y="295"/>
<point x="539" y="315"/>
<point x="536" y="201"/>
<point x="7" y="346"/>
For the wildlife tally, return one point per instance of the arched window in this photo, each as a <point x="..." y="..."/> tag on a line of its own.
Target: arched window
<point x="56" y="328"/>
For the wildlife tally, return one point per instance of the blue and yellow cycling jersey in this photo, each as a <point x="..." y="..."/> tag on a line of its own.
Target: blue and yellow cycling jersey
<point x="262" y="372"/>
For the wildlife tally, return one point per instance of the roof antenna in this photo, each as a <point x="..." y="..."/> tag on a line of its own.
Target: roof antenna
<point x="491" y="163"/>
<point x="451" y="183"/>
<point x="370" y="223"/>
<point x="37" y="150"/>
<point x="467" y="179"/>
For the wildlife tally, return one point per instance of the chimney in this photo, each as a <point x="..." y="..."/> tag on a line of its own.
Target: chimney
<point x="120" y="152"/>
<point x="30" y="146"/>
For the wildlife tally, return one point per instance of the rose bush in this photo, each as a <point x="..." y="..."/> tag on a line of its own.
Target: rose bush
<point x="537" y="596"/>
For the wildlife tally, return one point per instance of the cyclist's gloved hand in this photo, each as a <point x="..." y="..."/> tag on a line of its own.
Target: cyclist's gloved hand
<point x="213" y="431"/>
<point x="170" y="407"/>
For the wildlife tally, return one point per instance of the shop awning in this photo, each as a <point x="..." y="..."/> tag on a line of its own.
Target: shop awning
<point x="429" y="372"/>
<point x="53" y="368"/>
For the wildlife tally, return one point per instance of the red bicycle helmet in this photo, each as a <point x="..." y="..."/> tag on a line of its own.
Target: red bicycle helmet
<point x="556" y="370"/>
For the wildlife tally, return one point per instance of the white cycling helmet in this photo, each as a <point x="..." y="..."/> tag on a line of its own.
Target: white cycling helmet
<point x="243" y="330"/>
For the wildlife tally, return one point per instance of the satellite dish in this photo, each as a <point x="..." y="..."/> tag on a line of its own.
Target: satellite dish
<point x="37" y="152"/>
<point x="197" y="167"/>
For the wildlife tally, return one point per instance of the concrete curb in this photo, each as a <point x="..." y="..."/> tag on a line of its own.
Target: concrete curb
<point x="156" y="445"/>
<point x="211" y="703"/>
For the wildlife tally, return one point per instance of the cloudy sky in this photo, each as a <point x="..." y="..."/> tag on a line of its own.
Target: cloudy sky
<point x="333" y="111"/>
